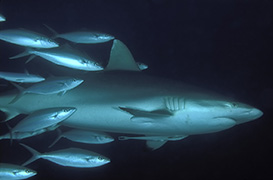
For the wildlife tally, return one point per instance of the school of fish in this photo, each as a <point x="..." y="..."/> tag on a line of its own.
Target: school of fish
<point x="45" y="120"/>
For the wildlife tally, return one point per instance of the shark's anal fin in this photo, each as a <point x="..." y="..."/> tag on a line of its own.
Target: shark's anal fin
<point x="121" y="58"/>
<point x="142" y="114"/>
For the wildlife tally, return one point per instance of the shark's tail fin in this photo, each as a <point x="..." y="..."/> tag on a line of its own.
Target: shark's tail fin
<point x="57" y="139"/>
<point x="35" y="155"/>
<point x="19" y="95"/>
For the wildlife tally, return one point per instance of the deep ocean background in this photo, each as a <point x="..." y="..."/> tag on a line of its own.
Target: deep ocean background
<point x="222" y="45"/>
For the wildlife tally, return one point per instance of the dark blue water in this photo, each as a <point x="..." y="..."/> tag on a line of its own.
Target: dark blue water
<point x="222" y="45"/>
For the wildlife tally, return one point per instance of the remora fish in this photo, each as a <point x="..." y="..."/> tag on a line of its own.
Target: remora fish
<point x="73" y="157"/>
<point x="83" y="136"/>
<point x="150" y="106"/>
<point x="12" y="172"/>
<point x="64" y="56"/>
<point x="50" y="86"/>
<point x="2" y="18"/>
<point x="21" y="77"/>
<point x="43" y="119"/>
<point x="27" y="38"/>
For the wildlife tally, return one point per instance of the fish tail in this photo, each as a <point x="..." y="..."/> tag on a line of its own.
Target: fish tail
<point x="19" y="95"/>
<point x="35" y="155"/>
<point x="57" y="139"/>
<point x="10" y="113"/>
<point x="23" y="54"/>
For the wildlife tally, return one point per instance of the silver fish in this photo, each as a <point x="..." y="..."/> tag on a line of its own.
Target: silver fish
<point x="27" y="38"/>
<point x="12" y="172"/>
<point x="86" y="37"/>
<point x="73" y="157"/>
<point x="21" y="77"/>
<point x="64" y="56"/>
<point x="43" y="119"/>
<point x="49" y="86"/>
<point x="2" y="18"/>
<point x="83" y="136"/>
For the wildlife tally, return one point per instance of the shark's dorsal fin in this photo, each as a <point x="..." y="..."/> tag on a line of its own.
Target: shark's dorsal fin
<point x="121" y="58"/>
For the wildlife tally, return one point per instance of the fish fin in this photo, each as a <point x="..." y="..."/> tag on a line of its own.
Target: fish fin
<point x="57" y="139"/>
<point x="23" y="54"/>
<point x="142" y="114"/>
<point x="51" y="30"/>
<point x="10" y="133"/>
<point x="19" y="95"/>
<point x="61" y="93"/>
<point x="9" y="112"/>
<point x="30" y="58"/>
<point x="35" y="154"/>
<point x="121" y="58"/>
<point x="153" y="145"/>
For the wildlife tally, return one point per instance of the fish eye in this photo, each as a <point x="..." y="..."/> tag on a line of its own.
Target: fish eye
<point x="66" y="110"/>
<point x="14" y="172"/>
<point x="55" y="115"/>
<point x="100" y="158"/>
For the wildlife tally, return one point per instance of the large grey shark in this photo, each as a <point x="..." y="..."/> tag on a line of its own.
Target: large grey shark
<point x="124" y="100"/>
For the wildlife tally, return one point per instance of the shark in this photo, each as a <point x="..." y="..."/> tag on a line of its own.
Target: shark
<point x="122" y="99"/>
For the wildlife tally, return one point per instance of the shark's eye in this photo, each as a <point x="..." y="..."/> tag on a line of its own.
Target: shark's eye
<point x="232" y="105"/>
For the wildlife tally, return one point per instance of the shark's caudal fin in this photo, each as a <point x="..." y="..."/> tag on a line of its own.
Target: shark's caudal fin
<point x="121" y="58"/>
<point x="36" y="155"/>
<point x="19" y="95"/>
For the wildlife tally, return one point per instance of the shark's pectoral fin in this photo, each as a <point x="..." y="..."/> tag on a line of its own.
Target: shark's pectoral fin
<point x="153" y="145"/>
<point x="146" y="116"/>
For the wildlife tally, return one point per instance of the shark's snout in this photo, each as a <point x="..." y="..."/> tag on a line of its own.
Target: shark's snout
<point x="248" y="115"/>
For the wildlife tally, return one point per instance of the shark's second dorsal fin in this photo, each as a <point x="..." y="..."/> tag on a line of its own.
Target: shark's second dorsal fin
<point x="121" y="58"/>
